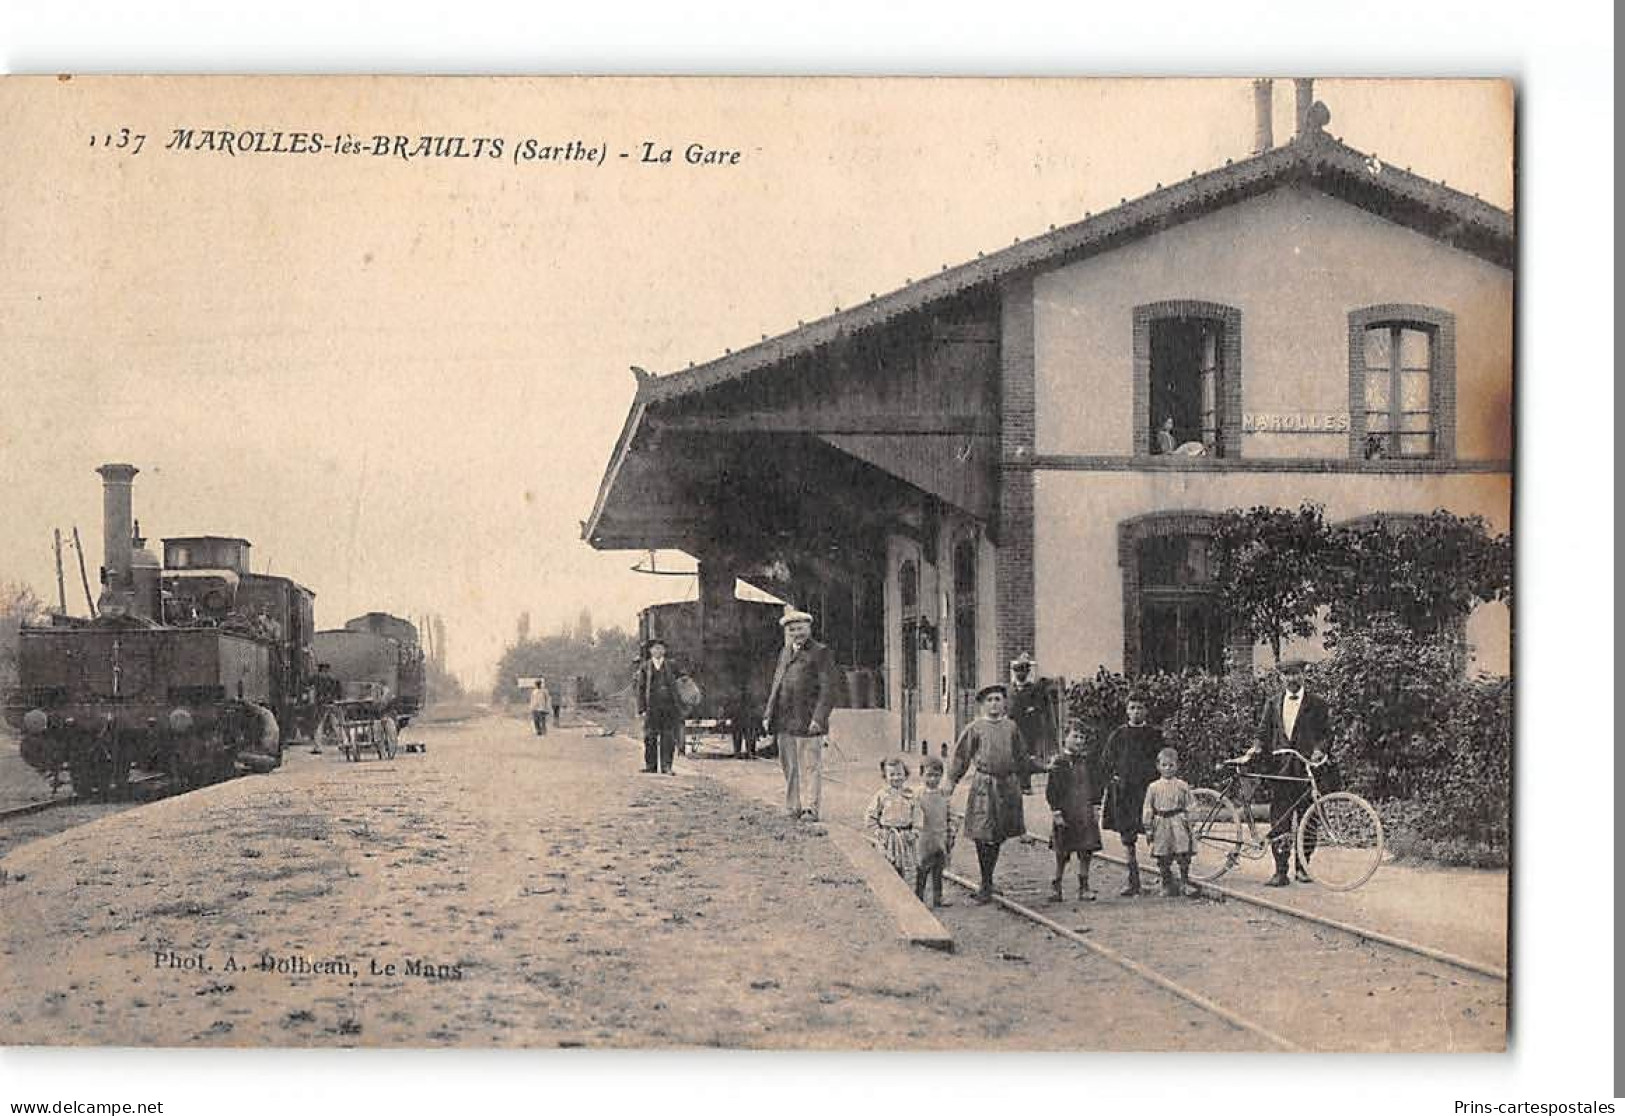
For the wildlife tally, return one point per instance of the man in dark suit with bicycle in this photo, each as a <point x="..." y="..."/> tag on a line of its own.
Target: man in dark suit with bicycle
<point x="1300" y="721"/>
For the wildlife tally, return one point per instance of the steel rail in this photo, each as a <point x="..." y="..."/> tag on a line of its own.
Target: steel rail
<point x="1362" y="933"/>
<point x="1144" y="972"/>
<point x="1359" y="932"/>
<point x="41" y="807"/>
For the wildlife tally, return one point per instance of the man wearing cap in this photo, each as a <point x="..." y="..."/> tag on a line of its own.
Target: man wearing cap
<point x="1301" y="721"/>
<point x="1030" y="710"/>
<point x="798" y="708"/>
<point x="660" y="707"/>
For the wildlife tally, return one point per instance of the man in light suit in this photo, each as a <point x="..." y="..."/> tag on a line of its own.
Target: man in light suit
<point x="804" y="691"/>
<point x="1301" y="721"/>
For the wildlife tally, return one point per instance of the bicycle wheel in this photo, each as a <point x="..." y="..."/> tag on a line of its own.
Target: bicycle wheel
<point x="1340" y="841"/>
<point x="1217" y="834"/>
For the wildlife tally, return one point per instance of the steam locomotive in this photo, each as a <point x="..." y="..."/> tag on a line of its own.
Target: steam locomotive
<point x="191" y="666"/>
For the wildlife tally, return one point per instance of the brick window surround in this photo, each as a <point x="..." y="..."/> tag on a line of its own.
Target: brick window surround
<point x="1229" y="367"/>
<point x="1441" y="324"/>
<point x="1130" y="533"/>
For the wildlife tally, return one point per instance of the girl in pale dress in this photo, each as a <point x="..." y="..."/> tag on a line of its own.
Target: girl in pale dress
<point x="1168" y="803"/>
<point x="891" y="821"/>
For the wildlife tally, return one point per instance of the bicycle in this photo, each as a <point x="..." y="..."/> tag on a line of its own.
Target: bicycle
<point x="1339" y="831"/>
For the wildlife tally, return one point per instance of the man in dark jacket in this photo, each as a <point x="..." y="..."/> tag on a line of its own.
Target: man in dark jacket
<point x="1301" y="721"/>
<point x="1030" y="710"/>
<point x="805" y="687"/>
<point x="660" y="707"/>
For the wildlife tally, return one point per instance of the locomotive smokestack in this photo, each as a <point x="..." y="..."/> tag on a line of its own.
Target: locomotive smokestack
<point x="117" y="529"/>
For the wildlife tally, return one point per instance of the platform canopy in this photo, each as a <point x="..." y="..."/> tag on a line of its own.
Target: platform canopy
<point x="814" y="453"/>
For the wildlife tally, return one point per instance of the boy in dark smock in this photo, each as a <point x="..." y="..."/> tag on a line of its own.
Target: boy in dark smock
<point x="1129" y="765"/>
<point x="1070" y="793"/>
<point x="993" y="751"/>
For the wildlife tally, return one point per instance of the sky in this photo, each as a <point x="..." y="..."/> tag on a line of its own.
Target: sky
<point x="402" y="379"/>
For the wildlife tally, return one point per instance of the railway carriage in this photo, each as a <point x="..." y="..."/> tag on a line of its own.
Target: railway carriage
<point x="733" y="665"/>
<point x="377" y="663"/>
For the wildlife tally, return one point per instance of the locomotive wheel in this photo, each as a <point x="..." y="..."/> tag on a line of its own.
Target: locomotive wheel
<point x="96" y="771"/>
<point x="83" y="774"/>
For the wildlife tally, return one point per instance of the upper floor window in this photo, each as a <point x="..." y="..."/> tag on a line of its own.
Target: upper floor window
<point x="1402" y="382"/>
<point x="1187" y="379"/>
<point x="1398" y="390"/>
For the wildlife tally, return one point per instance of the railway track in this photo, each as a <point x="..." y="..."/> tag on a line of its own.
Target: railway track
<point x="1294" y="983"/>
<point x="1122" y="961"/>
<point x="142" y="789"/>
<point x="1362" y="933"/>
<point x="1292" y="979"/>
<point x="1357" y="932"/>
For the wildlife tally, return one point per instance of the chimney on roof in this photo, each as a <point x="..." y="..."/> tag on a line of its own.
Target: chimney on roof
<point x="1305" y="91"/>
<point x="1263" y="115"/>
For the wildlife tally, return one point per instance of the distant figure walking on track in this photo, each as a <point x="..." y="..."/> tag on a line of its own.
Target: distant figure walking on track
<point x="540" y="704"/>
<point x="798" y="707"/>
<point x="660" y="707"/>
<point x="1129" y="764"/>
<point x="993" y="748"/>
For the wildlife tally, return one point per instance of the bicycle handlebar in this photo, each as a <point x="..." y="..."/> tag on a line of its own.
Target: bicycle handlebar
<point x="1239" y="761"/>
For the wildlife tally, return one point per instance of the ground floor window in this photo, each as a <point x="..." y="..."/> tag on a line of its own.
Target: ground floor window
<point x="1180" y="633"/>
<point x="965" y="613"/>
<point x="1171" y="616"/>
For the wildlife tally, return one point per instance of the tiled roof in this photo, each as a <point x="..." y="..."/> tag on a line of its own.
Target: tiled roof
<point x="1432" y="207"/>
<point x="1315" y="159"/>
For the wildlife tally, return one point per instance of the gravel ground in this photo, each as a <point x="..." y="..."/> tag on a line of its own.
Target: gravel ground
<point x="505" y="890"/>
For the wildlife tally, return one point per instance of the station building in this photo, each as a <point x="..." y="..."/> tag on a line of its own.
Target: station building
<point x="1026" y="452"/>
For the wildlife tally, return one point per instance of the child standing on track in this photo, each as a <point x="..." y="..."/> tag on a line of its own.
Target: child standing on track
<point x="1167" y="806"/>
<point x="992" y="754"/>
<point x="1129" y="765"/>
<point x="1070" y="793"/>
<point x="936" y="832"/>
<point x="891" y="817"/>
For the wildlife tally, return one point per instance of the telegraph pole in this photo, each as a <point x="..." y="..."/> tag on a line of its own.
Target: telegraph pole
<point x="61" y="591"/>
<point x="84" y="578"/>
